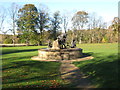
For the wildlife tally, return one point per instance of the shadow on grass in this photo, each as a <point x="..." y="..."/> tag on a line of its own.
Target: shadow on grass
<point x="30" y="66"/>
<point x="87" y="54"/>
<point x="17" y="51"/>
<point x="25" y="71"/>
<point x="17" y="58"/>
<point x="102" y="71"/>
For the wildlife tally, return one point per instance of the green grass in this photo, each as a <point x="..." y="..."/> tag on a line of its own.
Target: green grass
<point x="19" y="71"/>
<point x="102" y="71"/>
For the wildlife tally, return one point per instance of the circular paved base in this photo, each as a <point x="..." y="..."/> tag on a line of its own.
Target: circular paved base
<point x="39" y="59"/>
<point x="59" y="54"/>
<point x="78" y="59"/>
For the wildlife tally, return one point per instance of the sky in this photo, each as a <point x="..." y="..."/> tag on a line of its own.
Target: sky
<point x="108" y="9"/>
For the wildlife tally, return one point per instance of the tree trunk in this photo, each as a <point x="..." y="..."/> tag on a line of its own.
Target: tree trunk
<point x="27" y="42"/>
<point x="13" y="40"/>
<point x="80" y="41"/>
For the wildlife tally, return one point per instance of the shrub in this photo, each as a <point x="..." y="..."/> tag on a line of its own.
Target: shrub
<point x="8" y="41"/>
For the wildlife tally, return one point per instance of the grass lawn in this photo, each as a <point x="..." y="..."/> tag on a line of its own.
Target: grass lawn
<point x="103" y="69"/>
<point x="19" y="71"/>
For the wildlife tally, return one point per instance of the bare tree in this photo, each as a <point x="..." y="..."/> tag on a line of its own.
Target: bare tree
<point x="92" y="23"/>
<point x="3" y="15"/>
<point x="13" y="12"/>
<point x="101" y="24"/>
<point x="96" y="22"/>
<point x="2" y="18"/>
<point x="65" y="21"/>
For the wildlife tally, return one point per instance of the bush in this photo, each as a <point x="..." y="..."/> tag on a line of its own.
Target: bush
<point x="8" y="41"/>
<point x="33" y="42"/>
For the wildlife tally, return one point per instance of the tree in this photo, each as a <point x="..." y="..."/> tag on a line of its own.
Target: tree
<point x="80" y="19"/>
<point x="43" y="21"/>
<point x="3" y="15"/>
<point x="115" y="24"/>
<point x="95" y="22"/>
<point x="115" y="27"/>
<point x="13" y="12"/>
<point x="65" y="21"/>
<point x="55" y="24"/>
<point x="92" y="21"/>
<point x="27" y="22"/>
<point x="2" y="18"/>
<point x="101" y="24"/>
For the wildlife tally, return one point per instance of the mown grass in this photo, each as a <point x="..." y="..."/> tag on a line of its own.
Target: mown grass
<point x="19" y="71"/>
<point x="102" y="71"/>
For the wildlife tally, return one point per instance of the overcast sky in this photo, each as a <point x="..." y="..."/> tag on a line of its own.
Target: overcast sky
<point x="108" y="9"/>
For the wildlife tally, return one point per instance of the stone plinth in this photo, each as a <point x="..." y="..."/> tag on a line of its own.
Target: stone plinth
<point x="58" y="54"/>
<point x="55" y="45"/>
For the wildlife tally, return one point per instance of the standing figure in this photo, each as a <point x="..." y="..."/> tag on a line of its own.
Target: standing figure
<point x="55" y="45"/>
<point x="73" y="44"/>
<point x="49" y="44"/>
<point x="62" y="40"/>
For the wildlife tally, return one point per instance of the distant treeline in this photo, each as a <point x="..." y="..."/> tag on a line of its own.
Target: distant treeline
<point x="81" y="36"/>
<point x="37" y="26"/>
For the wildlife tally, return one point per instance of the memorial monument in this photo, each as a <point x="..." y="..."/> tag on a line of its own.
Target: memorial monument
<point x="59" y="51"/>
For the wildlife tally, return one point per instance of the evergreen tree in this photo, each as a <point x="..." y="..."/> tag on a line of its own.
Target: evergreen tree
<point x="55" y="24"/>
<point x="27" y="22"/>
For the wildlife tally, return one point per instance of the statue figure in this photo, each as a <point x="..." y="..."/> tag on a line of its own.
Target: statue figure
<point x="55" y="45"/>
<point x="49" y="44"/>
<point x="59" y="43"/>
<point x="62" y="40"/>
<point x="73" y="44"/>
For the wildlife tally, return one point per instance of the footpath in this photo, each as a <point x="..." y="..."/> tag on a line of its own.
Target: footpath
<point x="72" y="74"/>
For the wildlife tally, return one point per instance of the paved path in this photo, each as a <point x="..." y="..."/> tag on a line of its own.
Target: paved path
<point x="72" y="74"/>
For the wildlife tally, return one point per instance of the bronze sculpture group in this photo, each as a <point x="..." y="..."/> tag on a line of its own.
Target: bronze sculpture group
<point x="59" y="50"/>
<point x="60" y="42"/>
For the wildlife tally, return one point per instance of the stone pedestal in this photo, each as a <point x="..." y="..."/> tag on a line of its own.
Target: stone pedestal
<point x="59" y="54"/>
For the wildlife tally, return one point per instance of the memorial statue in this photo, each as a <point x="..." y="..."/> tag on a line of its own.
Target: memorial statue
<point x="62" y="40"/>
<point x="55" y="45"/>
<point x="49" y="44"/>
<point x="59" y="50"/>
<point x="73" y="43"/>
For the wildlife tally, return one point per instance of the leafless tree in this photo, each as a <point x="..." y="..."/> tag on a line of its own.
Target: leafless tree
<point x="92" y="23"/>
<point x="96" y="22"/>
<point x="2" y="18"/>
<point x="65" y="20"/>
<point x="13" y="12"/>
